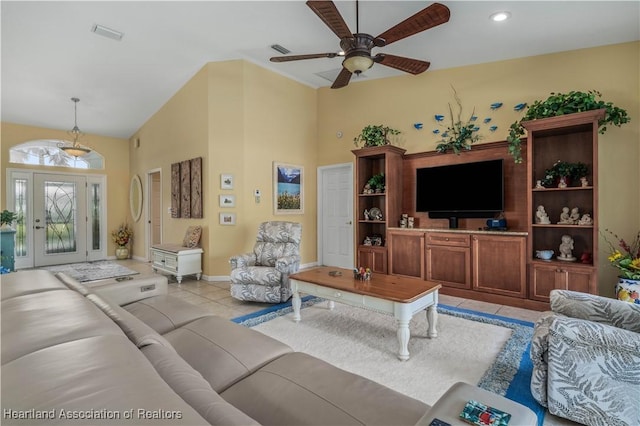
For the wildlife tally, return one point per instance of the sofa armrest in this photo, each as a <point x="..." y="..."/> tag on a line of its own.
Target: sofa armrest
<point x="600" y="309"/>
<point x="288" y="264"/>
<point x="243" y="260"/>
<point x="596" y="364"/>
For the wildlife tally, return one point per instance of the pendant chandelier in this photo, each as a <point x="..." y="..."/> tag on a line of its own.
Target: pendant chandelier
<point x="75" y="149"/>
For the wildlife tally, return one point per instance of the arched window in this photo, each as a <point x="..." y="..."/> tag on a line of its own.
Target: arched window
<point x="47" y="152"/>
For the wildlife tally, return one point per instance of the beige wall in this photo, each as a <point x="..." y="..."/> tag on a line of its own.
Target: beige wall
<point x="116" y="160"/>
<point x="402" y="101"/>
<point x="239" y="118"/>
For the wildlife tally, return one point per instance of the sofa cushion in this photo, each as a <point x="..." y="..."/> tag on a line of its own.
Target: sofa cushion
<point x="97" y="375"/>
<point x="300" y="389"/>
<point x="193" y="388"/>
<point x="39" y="320"/>
<point x="137" y="331"/>
<point x="222" y="351"/>
<point x="27" y="282"/>
<point x="165" y="313"/>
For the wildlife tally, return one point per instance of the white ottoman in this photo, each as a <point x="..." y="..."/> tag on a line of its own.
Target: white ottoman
<point x="450" y="405"/>
<point x="129" y="289"/>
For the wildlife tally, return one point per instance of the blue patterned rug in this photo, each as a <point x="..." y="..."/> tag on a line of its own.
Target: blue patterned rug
<point x="510" y="373"/>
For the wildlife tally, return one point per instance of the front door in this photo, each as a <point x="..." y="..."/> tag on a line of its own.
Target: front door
<point x="60" y="219"/>
<point x="335" y="215"/>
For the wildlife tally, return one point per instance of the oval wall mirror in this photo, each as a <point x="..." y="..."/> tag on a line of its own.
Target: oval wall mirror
<point x="135" y="197"/>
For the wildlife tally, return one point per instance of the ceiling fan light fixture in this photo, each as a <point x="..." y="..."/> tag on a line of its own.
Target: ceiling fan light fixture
<point x="357" y="63"/>
<point x="500" y="16"/>
<point x="75" y="149"/>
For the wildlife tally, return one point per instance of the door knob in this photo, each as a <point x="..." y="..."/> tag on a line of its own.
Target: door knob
<point x="39" y="227"/>
<point x="349" y="223"/>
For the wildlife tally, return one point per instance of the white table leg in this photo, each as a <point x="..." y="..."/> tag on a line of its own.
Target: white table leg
<point x="403" y="338"/>
<point x="296" y="303"/>
<point x="432" y="319"/>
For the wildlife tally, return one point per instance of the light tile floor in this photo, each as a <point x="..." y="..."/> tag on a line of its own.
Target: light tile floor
<point x="215" y="297"/>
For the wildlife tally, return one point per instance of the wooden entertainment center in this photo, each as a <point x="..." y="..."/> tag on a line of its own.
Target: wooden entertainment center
<point x="472" y="262"/>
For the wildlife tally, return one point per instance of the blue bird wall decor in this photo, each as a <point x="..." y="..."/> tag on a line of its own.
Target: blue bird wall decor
<point x="496" y="105"/>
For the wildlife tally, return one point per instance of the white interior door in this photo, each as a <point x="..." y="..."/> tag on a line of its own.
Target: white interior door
<point x="154" y="209"/>
<point x="59" y="219"/>
<point x="335" y="215"/>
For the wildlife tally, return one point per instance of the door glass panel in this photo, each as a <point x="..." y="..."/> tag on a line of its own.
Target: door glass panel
<point x="20" y="208"/>
<point x="95" y="206"/>
<point x="61" y="217"/>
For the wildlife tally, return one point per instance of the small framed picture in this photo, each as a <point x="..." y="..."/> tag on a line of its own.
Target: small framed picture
<point x="226" y="181"/>
<point x="227" y="218"/>
<point x="227" y="200"/>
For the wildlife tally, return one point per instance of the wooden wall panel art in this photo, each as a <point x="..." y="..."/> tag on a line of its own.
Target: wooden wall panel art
<point x="175" y="190"/>
<point x="196" y="188"/>
<point x="185" y="189"/>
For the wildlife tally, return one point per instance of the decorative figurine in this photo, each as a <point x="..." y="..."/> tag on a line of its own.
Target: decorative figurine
<point x="563" y="182"/>
<point x="585" y="220"/>
<point x="541" y="216"/>
<point x="539" y="184"/>
<point x="366" y="214"/>
<point x="367" y="241"/>
<point x="574" y="217"/>
<point x="410" y="220"/>
<point x="566" y="249"/>
<point x="583" y="181"/>
<point x="586" y="257"/>
<point x="565" y="218"/>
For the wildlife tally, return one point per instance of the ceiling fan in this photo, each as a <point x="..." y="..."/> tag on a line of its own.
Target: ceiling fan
<point x="356" y="48"/>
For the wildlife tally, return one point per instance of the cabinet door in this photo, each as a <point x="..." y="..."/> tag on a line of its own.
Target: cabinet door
<point x="450" y="266"/>
<point x="374" y="258"/>
<point x="406" y="253"/>
<point x="545" y="278"/>
<point x="499" y="264"/>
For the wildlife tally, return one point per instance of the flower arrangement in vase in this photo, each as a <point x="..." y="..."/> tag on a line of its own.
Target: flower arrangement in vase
<point x="626" y="259"/>
<point x="121" y="237"/>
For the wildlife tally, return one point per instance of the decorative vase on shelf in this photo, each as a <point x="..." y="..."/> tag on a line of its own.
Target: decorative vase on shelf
<point x="122" y="252"/>
<point x="628" y="290"/>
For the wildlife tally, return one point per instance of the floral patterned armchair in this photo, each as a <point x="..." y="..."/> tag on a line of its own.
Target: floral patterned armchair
<point x="263" y="276"/>
<point x="586" y="359"/>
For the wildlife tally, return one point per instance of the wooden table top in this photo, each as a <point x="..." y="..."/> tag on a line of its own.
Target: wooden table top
<point x="388" y="287"/>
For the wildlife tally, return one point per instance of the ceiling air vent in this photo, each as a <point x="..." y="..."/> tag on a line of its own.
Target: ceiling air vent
<point x="280" y="49"/>
<point x="107" y="32"/>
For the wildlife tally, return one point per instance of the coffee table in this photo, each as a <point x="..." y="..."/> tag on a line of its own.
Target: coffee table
<point x="401" y="297"/>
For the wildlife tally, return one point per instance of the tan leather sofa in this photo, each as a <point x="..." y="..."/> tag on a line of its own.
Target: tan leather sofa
<point x="71" y="355"/>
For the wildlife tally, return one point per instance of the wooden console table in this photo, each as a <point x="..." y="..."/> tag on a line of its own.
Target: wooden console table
<point x="401" y="297"/>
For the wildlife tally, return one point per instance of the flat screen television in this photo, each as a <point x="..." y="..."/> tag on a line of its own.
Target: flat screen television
<point x="468" y="190"/>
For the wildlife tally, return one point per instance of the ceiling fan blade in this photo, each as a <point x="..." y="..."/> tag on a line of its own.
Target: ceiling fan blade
<point x="300" y="57"/>
<point x="429" y="17"/>
<point x="329" y="14"/>
<point x="412" y="66"/>
<point x="342" y="79"/>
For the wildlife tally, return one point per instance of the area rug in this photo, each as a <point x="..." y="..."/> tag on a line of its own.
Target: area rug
<point x="483" y="349"/>
<point x="92" y="271"/>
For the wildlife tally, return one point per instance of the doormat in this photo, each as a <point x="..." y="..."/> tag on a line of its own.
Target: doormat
<point x="92" y="271"/>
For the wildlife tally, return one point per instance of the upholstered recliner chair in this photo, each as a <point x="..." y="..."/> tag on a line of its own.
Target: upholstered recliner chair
<point x="263" y="276"/>
<point x="586" y="359"/>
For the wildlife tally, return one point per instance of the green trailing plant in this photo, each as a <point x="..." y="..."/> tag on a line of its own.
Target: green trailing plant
<point x="561" y="104"/>
<point x="372" y="135"/>
<point x="566" y="169"/>
<point x="7" y="217"/>
<point x="459" y="135"/>
<point x="377" y="181"/>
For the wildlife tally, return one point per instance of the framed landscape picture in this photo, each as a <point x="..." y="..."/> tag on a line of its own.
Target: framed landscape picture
<point x="288" y="189"/>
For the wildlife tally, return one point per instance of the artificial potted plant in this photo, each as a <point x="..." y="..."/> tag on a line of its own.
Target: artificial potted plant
<point x="563" y="171"/>
<point x="561" y="104"/>
<point x="377" y="182"/>
<point x="373" y="135"/>
<point x="7" y="218"/>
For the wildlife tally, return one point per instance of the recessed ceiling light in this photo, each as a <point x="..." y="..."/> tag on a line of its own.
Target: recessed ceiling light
<point x="500" y="16"/>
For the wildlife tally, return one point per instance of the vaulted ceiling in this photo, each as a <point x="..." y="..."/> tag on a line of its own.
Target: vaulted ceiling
<point x="50" y="54"/>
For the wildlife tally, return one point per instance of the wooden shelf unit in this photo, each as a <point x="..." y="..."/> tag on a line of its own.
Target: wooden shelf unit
<point x="572" y="138"/>
<point x="387" y="159"/>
